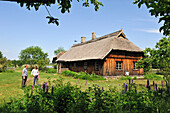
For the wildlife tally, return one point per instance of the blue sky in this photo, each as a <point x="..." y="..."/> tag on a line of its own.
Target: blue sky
<point x="21" y="28"/>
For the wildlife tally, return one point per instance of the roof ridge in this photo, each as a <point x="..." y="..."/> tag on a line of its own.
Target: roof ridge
<point x="100" y="38"/>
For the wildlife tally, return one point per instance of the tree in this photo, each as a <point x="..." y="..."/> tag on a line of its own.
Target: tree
<point x="146" y="61"/>
<point x="162" y="55"/>
<point x="18" y="63"/>
<point x="1" y="55"/>
<point x="60" y="49"/>
<point x="158" y="8"/>
<point x="32" y="55"/>
<point x="64" y="5"/>
<point x="4" y="62"/>
<point x="159" y="57"/>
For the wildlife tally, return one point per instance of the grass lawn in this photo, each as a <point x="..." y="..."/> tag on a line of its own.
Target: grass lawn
<point x="10" y="83"/>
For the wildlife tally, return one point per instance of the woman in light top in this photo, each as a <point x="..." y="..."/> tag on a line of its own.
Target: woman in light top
<point x="35" y="73"/>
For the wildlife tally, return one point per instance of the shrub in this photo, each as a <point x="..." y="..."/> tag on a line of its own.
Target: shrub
<point x="135" y="78"/>
<point x="50" y="70"/>
<point x="82" y="75"/>
<point x="153" y="76"/>
<point x="126" y="78"/>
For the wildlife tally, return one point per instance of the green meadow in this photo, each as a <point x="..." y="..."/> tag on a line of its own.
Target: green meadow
<point x="10" y="83"/>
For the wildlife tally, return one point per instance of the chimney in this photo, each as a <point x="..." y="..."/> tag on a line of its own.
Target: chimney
<point x="93" y="35"/>
<point x="83" y="39"/>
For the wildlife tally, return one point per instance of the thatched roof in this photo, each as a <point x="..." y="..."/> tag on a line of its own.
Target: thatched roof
<point x="57" y="56"/>
<point x="99" y="48"/>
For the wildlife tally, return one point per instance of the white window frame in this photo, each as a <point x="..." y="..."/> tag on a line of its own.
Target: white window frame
<point x="134" y="65"/>
<point x="118" y="65"/>
<point x="85" y="65"/>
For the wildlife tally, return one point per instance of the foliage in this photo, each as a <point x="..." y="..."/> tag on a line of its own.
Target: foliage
<point x="64" y="5"/>
<point x="17" y="63"/>
<point x="135" y="78"/>
<point x="126" y="78"/>
<point x="4" y="62"/>
<point x="1" y="55"/>
<point x="152" y="76"/>
<point x="146" y="62"/>
<point x="158" y="8"/>
<point x="34" y="55"/>
<point x="63" y="97"/>
<point x="162" y="56"/>
<point x="158" y="57"/>
<point x="60" y="49"/>
<point x="82" y="75"/>
<point x="50" y="70"/>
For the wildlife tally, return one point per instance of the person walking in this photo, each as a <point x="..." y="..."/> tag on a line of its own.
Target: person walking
<point x="35" y="73"/>
<point x="24" y="76"/>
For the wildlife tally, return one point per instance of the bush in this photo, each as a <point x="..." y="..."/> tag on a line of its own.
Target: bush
<point x="126" y="78"/>
<point x="50" y="70"/>
<point x="65" y="98"/>
<point x="82" y="75"/>
<point x="135" y="78"/>
<point x="153" y="76"/>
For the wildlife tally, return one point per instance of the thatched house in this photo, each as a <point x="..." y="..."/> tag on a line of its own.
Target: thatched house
<point x="109" y="55"/>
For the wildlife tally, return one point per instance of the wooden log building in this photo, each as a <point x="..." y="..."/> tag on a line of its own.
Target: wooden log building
<point x="109" y="55"/>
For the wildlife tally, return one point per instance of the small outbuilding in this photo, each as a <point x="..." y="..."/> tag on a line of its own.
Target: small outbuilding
<point x="109" y="55"/>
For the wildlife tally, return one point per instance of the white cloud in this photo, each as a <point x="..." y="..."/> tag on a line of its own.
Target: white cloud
<point x="150" y="30"/>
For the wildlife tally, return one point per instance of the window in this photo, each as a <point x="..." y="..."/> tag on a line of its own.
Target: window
<point x="118" y="65"/>
<point x="85" y="65"/>
<point x="74" y="65"/>
<point x="134" y="65"/>
<point x="96" y="66"/>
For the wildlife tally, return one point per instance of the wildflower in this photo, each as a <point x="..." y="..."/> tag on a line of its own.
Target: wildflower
<point x="119" y="84"/>
<point x="89" y="93"/>
<point x="132" y="80"/>
<point x="135" y="89"/>
<point x="159" y="90"/>
<point x="21" y="102"/>
<point x="162" y="83"/>
<point x="102" y="89"/>
<point x="149" y="87"/>
<point x="99" y="90"/>
<point x="126" y="88"/>
<point x="43" y="86"/>
<point x="32" y="87"/>
<point x="153" y="83"/>
<point x="104" y="97"/>
<point x="46" y="88"/>
<point x="52" y="90"/>
<point x="156" y="87"/>
<point x="147" y="83"/>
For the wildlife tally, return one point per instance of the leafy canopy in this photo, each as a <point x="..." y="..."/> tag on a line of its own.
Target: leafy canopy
<point x="60" y="49"/>
<point x="160" y="9"/>
<point x="158" y="57"/>
<point x="63" y="5"/>
<point x="32" y="55"/>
